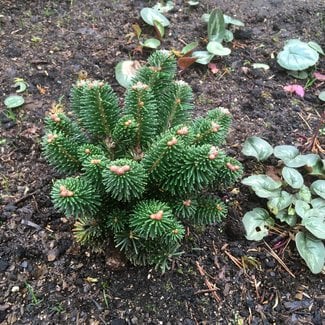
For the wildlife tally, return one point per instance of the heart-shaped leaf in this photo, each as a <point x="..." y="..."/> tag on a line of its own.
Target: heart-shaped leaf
<point x="233" y="21"/>
<point x="303" y="160"/>
<point x="256" y="223"/>
<point x="125" y="71"/>
<point x="150" y="15"/>
<point x="258" y="148"/>
<point x="14" y="101"/>
<point x="301" y="208"/>
<point x="314" y="221"/>
<point x="292" y="177"/>
<point x="280" y="202"/>
<point x="285" y="152"/>
<point x="186" y="50"/>
<point x="312" y="251"/>
<point x="318" y="187"/>
<point x="216" y="26"/>
<point x="297" y="55"/>
<point x="227" y="20"/>
<point x="202" y="57"/>
<point x="216" y="48"/>
<point x="263" y="185"/>
<point x="151" y="43"/>
<point x="298" y="74"/>
<point x="168" y="6"/>
<point x="21" y="85"/>
<point x="318" y="203"/>
<point x="304" y="194"/>
<point x="283" y="216"/>
<point x="159" y="28"/>
<point x="229" y="36"/>
<point x="315" y="46"/>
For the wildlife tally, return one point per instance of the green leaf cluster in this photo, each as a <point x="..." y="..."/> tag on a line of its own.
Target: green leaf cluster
<point x="218" y="32"/>
<point x="138" y="173"/>
<point x="297" y="199"/>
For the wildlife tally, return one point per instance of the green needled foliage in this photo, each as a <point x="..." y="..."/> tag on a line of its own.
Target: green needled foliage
<point x="139" y="171"/>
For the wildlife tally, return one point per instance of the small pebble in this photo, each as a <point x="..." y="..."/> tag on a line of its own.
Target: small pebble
<point x="15" y="289"/>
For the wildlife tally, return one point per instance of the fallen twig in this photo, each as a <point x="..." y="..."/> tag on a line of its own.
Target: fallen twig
<point x="273" y="253"/>
<point x="211" y="287"/>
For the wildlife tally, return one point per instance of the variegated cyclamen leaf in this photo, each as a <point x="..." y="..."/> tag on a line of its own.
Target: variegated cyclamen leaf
<point x="258" y="148"/>
<point x="314" y="221"/>
<point x="304" y="194"/>
<point x="292" y="177"/>
<point x="301" y="207"/>
<point x="256" y="223"/>
<point x="280" y="202"/>
<point x="318" y="203"/>
<point x="263" y="185"/>
<point x="303" y="160"/>
<point x="216" y="26"/>
<point x="285" y="152"/>
<point x="318" y="187"/>
<point x="297" y="55"/>
<point x="283" y="216"/>
<point x="311" y="250"/>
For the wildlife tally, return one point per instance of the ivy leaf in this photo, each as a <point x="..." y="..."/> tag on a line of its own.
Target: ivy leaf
<point x="14" y="101"/>
<point x="280" y="202"/>
<point x="263" y="185"/>
<point x="318" y="187"/>
<point x="292" y="177"/>
<point x="312" y="251"/>
<point x="258" y="148"/>
<point x="256" y="223"/>
<point x="314" y="221"/>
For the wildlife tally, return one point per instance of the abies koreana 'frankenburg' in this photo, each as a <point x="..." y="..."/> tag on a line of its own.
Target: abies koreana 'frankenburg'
<point x="137" y="173"/>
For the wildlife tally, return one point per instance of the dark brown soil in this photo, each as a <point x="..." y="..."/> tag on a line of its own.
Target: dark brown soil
<point x="47" y="43"/>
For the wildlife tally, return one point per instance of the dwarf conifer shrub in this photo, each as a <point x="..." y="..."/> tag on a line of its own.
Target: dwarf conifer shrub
<point x="138" y="173"/>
